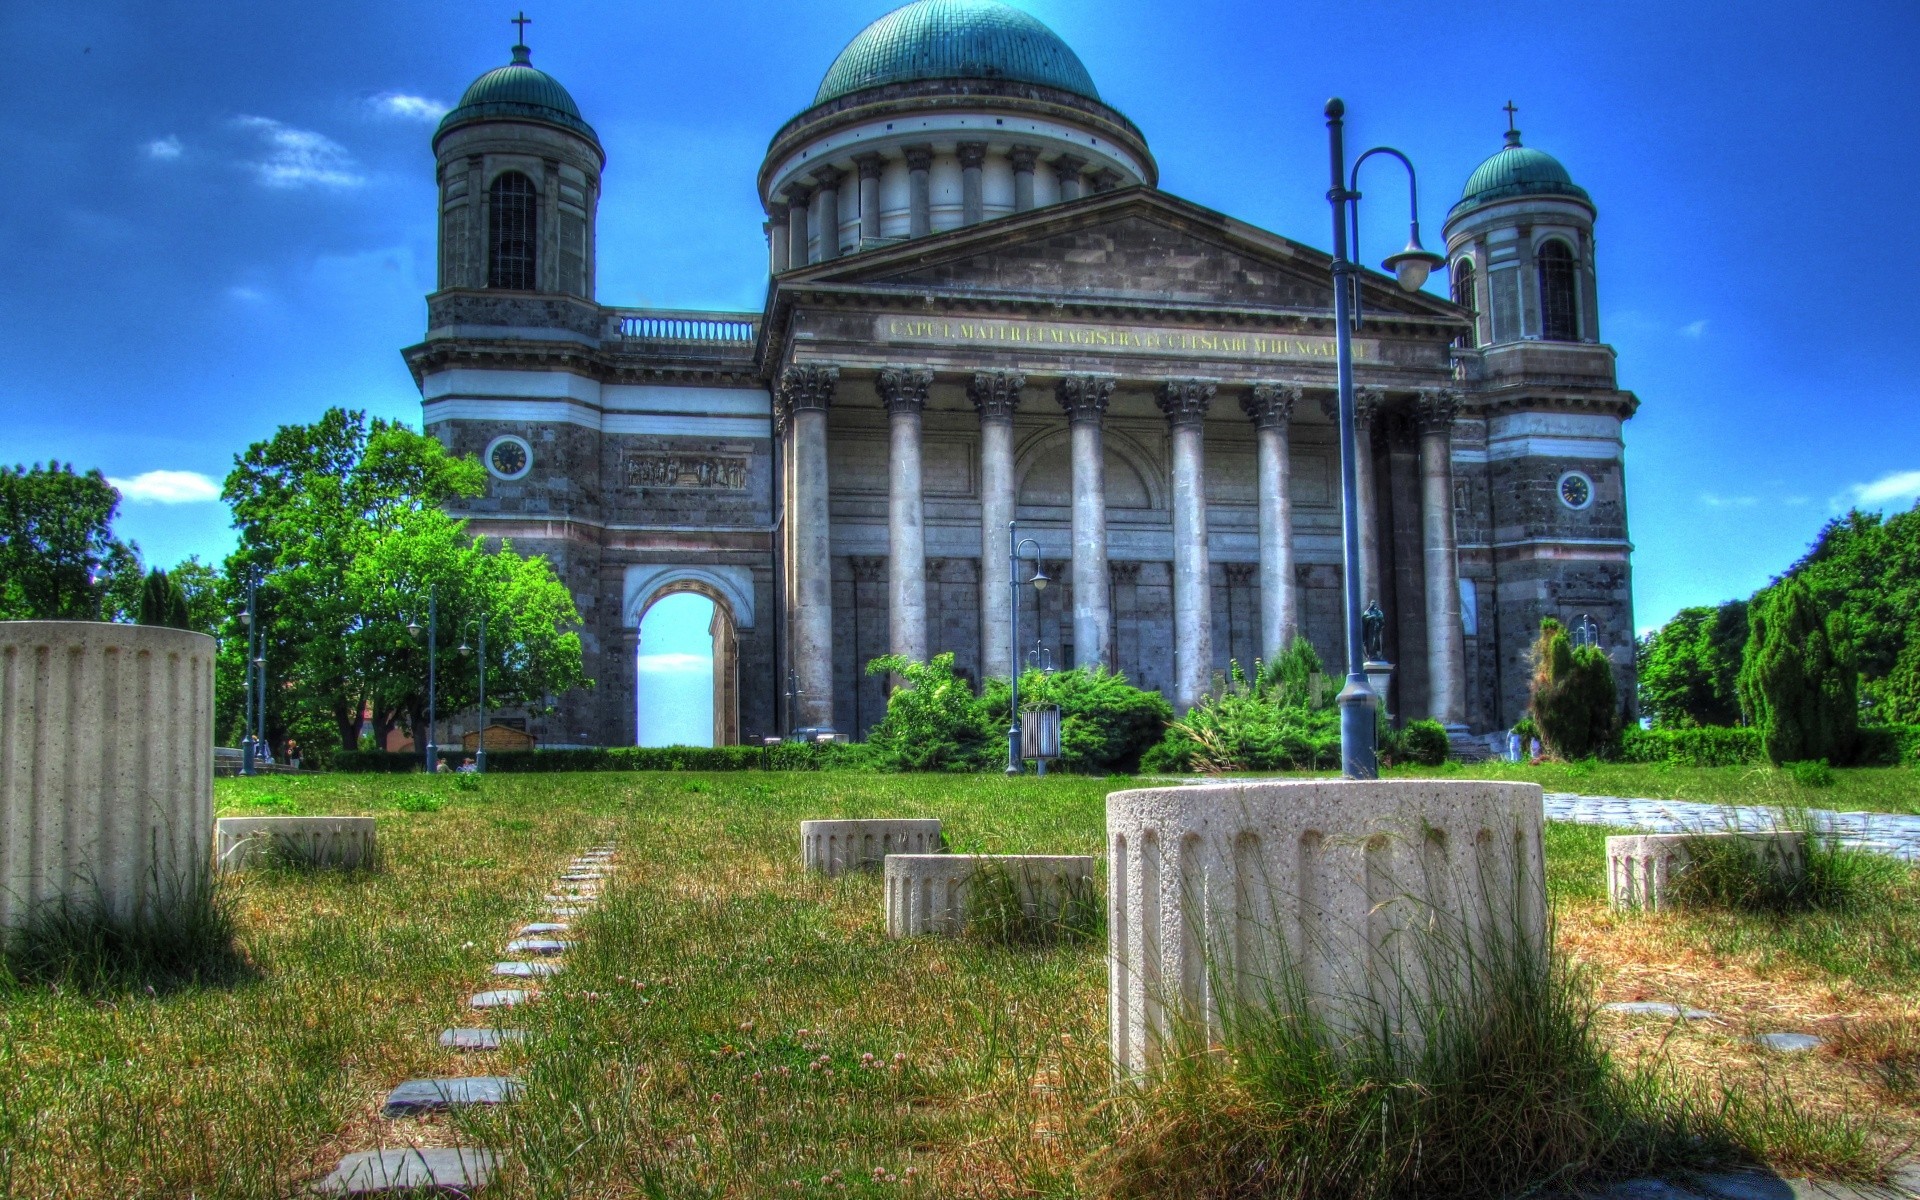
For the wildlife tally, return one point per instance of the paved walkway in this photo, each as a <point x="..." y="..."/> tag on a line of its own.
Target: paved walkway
<point x="1888" y="833"/>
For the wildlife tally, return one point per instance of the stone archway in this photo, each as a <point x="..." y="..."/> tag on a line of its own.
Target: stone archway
<point x="730" y="590"/>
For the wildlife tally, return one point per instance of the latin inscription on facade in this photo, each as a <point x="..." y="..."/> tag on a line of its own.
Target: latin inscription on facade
<point x="1118" y="339"/>
<point x="685" y="471"/>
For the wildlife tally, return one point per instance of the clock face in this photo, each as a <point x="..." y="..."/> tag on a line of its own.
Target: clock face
<point x="1576" y="490"/>
<point x="509" y="458"/>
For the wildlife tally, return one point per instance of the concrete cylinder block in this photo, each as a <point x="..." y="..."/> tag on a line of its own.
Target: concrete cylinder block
<point x="106" y="767"/>
<point x="837" y="847"/>
<point x="928" y="893"/>
<point x="345" y="842"/>
<point x="1366" y="903"/>
<point x="1642" y="868"/>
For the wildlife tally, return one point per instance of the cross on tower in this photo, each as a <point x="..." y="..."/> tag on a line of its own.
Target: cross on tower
<point x="523" y="20"/>
<point x="1509" y="109"/>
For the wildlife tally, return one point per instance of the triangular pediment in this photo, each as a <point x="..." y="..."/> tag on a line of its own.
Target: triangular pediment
<point x="1138" y="245"/>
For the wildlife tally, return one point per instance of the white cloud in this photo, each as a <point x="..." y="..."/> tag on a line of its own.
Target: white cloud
<point x="168" y="487"/>
<point x="408" y="108"/>
<point x="1694" y="329"/>
<point x="1715" y="500"/>
<point x="164" y="149"/>
<point x="674" y="664"/>
<point x="245" y="294"/>
<point x="300" y="157"/>
<point x="1900" y="488"/>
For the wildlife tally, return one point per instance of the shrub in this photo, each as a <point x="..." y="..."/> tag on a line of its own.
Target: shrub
<point x="1424" y="743"/>
<point x="934" y="722"/>
<point x="787" y="756"/>
<point x="1887" y="746"/>
<point x="1798" y="692"/>
<point x="1705" y="746"/>
<point x="1574" y="702"/>
<point x="1815" y="774"/>
<point x="163" y="603"/>
<point x="1106" y="723"/>
<point x="1281" y="719"/>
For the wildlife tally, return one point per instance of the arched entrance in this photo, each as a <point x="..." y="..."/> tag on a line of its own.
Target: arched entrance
<point x="685" y="615"/>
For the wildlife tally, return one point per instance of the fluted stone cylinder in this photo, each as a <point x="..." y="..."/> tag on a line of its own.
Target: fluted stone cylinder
<point x="1270" y="406"/>
<point x="1363" y="898"/>
<point x="1642" y="869"/>
<point x="346" y="842"/>
<point x="928" y="893"/>
<point x="1185" y="402"/>
<point x="106" y="767"/>
<point x="871" y="166"/>
<point x="779" y="256"/>
<point x="837" y="847"/>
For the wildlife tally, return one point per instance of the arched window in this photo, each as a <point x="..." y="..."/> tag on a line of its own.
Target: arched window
<point x="1559" y="315"/>
<point x="513" y="230"/>
<point x="1463" y="295"/>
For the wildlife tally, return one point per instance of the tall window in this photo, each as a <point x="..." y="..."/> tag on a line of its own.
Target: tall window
<point x="1464" y="297"/>
<point x="513" y="229"/>
<point x="1559" y="316"/>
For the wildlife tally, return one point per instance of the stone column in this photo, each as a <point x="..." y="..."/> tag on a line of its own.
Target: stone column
<point x="1066" y="169"/>
<point x="1270" y="405"/>
<point x="829" y="179"/>
<point x="1433" y="410"/>
<point x="1366" y="406"/>
<point x="870" y="165"/>
<point x="904" y="392"/>
<point x="807" y="392"/>
<point x="919" y="198"/>
<point x="1024" y="159"/>
<point x="1185" y="402"/>
<point x="973" y="198"/>
<point x="799" y="200"/>
<point x="1085" y="398"/>
<point x="995" y="395"/>
<point x="777" y="221"/>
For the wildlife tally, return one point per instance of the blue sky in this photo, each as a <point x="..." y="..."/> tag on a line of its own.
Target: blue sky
<point x="221" y="213"/>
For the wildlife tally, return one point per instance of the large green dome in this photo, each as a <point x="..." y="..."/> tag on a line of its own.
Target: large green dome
<point x="1518" y="171"/>
<point x="956" y="39"/>
<point x="521" y="90"/>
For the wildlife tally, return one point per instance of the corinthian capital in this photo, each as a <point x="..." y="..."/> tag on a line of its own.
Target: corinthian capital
<point x="1185" y="401"/>
<point x="1085" y="397"/>
<point x="1435" y="408"/>
<point x="808" y="385"/>
<point x="995" y="394"/>
<point x="903" y="389"/>
<point x="1366" y="406"/>
<point x="1270" y="405"/>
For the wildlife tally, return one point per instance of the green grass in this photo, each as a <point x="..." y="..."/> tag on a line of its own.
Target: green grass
<point x="728" y="1026"/>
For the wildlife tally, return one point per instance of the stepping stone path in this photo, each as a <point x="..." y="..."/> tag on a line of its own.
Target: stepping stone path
<point x="463" y="1171"/>
<point x="1787" y="1043"/>
<point x="1659" y="1008"/>
<point x="1886" y="833"/>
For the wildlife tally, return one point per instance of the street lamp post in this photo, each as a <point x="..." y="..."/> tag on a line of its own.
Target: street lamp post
<point x="247" y="622"/>
<point x="1014" y="544"/>
<point x="1410" y="266"/>
<point x="480" y="744"/>
<point x="433" y="636"/>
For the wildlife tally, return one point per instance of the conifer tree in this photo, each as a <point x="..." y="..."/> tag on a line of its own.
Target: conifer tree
<point x="1574" y="699"/>
<point x="163" y="603"/>
<point x="1795" y="687"/>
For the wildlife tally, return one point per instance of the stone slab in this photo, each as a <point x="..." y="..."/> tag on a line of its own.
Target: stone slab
<point x="377" y="1172"/>
<point x="837" y="847"/>
<point x="543" y="928"/>
<point x="527" y="970"/>
<point x="499" y="998"/>
<point x="566" y="910"/>
<point x="928" y="893"/>
<point x="479" y="1039"/>
<point x="343" y="842"/>
<point x="1658" y="1008"/>
<point x="538" y="945"/>
<point x="417" y="1096"/>
<point x="1895" y="833"/>
<point x="1643" y="869"/>
<point x="1787" y="1043"/>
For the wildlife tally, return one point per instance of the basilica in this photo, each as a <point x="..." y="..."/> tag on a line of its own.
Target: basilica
<point x="982" y="308"/>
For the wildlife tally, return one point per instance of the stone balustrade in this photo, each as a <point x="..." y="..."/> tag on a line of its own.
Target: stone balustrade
<point x="929" y="893"/>
<point x="1642" y="869"/>
<point x="343" y="842"/>
<point x="837" y="847"/>
<point x="1360" y="900"/>
<point x="106" y="767"/>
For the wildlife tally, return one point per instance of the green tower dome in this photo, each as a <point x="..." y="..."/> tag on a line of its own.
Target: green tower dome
<point x="1518" y="171"/>
<point x="518" y="90"/>
<point x="956" y="39"/>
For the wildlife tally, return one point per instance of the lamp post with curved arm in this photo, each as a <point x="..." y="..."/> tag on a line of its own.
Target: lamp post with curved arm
<point x="1410" y="266"/>
<point x="433" y="637"/>
<point x="1015" y="543"/>
<point x="480" y="743"/>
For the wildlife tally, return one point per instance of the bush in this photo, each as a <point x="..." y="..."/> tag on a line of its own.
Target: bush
<point x="787" y="756"/>
<point x="1706" y="746"/>
<point x="1800" y="695"/>
<point x="1815" y="774"/>
<point x="1424" y="743"/>
<point x="934" y="722"/>
<point x="1282" y="719"/>
<point x="1106" y="723"/>
<point x="1887" y="746"/>
<point x="1574" y="701"/>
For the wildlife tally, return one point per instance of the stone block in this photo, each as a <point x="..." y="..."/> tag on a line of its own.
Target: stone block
<point x="106" y="767"/>
<point x="480" y="1039"/>
<point x="1643" y="868"/>
<point x="538" y="945"/>
<point x="453" y="1171"/>
<point x="499" y="998"/>
<point x="527" y="970"/>
<point x="928" y="893"/>
<point x="417" y="1096"/>
<point x="837" y="847"/>
<point x="346" y="842"/>
<point x="1368" y="902"/>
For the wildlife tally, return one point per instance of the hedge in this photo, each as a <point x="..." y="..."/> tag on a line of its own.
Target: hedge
<point x="1706" y="746"/>
<point x="787" y="756"/>
<point x="1888" y="746"/>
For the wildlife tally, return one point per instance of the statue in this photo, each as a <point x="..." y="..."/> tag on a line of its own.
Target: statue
<point x="1373" y="632"/>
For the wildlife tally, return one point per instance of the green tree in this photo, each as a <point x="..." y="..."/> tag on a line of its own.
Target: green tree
<point x="59" y="558"/>
<point x="1801" y="694"/>
<point x="934" y="722"/>
<point x="1689" y="668"/>
<point x="1864" y="571"/>
<point x="162" y="602"/>
<point x="1575" y="703"/>
<point x="206" y="593"/>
